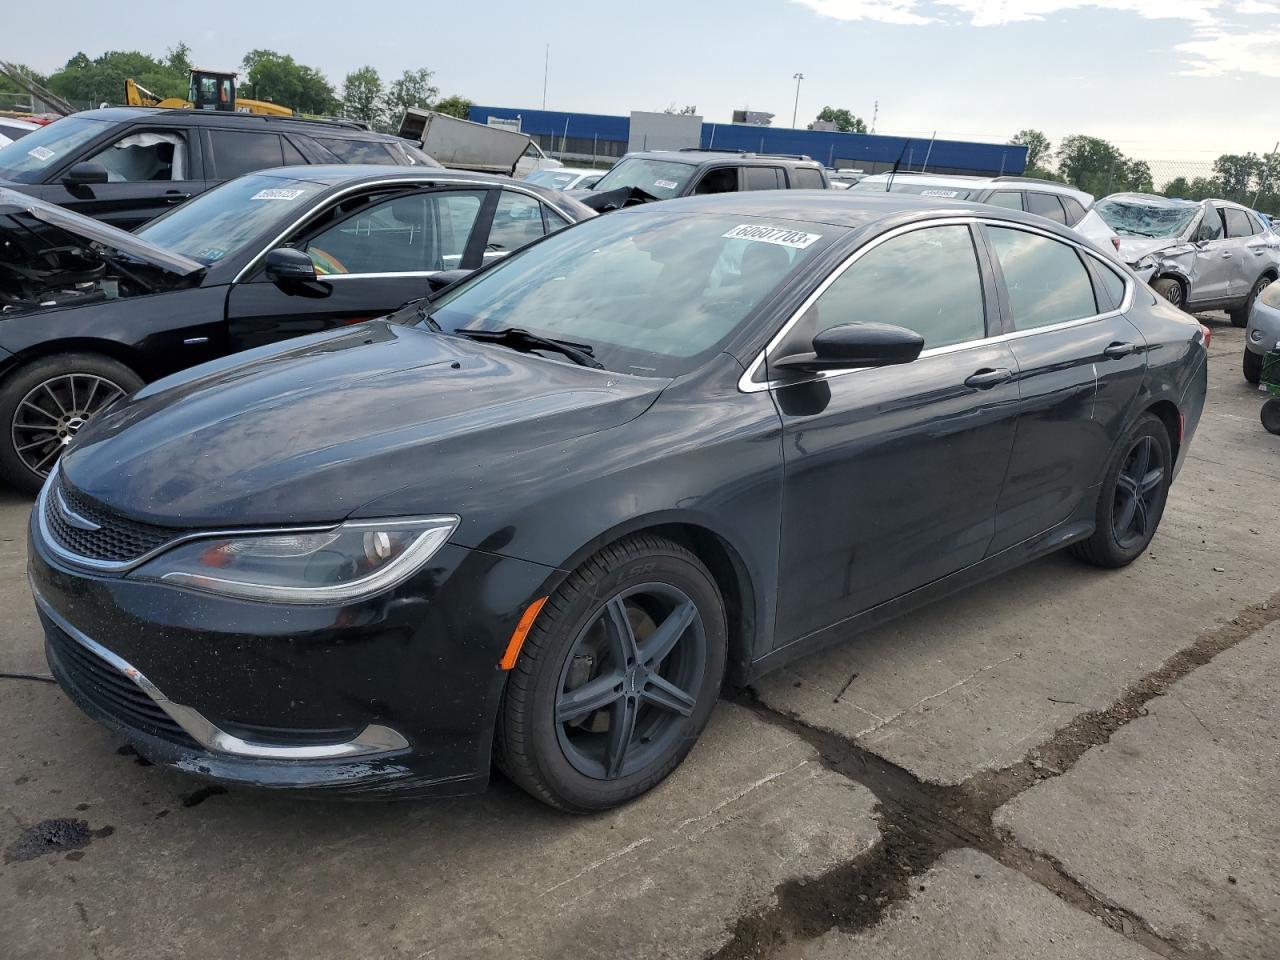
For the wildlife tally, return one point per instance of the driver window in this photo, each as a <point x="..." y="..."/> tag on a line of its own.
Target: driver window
<point x="143" y="157"/>
<point x="926" y="280"/>
<point x="1211" y="226"/>
<point x="517" y="221"/>
<point x="409" y="233"/>
<point x="723" y="180"/>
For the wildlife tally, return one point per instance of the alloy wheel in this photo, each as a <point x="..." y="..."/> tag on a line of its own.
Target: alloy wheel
<point x="1174" y="294"/>
<point x="630" y="682"/>
<point x="1138" y="488"/>
<point x="51" y="414"/>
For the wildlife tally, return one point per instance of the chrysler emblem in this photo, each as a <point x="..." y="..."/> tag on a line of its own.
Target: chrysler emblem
<point x="73" y="518"/>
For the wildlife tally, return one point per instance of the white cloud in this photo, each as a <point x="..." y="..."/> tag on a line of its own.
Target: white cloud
<point x="883" y="11"/>
<point x="1262" y="7"/>
<point x="1215" y="53"/>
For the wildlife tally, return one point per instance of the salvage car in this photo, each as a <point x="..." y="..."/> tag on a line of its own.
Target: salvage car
<point x="88" y="312"/>
<point x="126" y="165"/>
<point x="546" y="513"/>
<point x="1263" y="331"/>
<point x="649" y="175"/>
<point x="1198" y="255"/>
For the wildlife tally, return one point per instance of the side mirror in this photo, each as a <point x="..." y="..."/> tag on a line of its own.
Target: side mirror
<point x="287" y="265"/>
<point x="85" y="173"/>
<point x="446" y="278"/>
<point x="852" y="345"/>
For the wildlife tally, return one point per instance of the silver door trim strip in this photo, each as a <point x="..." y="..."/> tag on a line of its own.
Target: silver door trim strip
<point x="746" y="383"/>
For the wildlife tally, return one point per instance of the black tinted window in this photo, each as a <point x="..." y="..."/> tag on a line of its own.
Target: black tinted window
<point x="806" y="178"/>
<point x="1075" y="210"/>
<point x="764" y="178"/>
<point x="1006" y="198"/>
<point x="1211" y="226"/>
<point x="1238" y="224"/>
<point x="1046" y="281"/>
<point x="724" y="180"/>
<point x="1112" y="286"/>
<point x="292" y="155"/>
<point x="359" y="151"/>
<point x="1045" y="205"/>
<point x="925" y="280"/>
<point x="237" y="152"/>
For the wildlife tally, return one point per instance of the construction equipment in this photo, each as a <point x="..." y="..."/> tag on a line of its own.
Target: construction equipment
<point x="209" y="90"/>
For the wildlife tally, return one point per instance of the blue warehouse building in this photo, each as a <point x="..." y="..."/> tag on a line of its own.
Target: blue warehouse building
<point x="600" y="138"/>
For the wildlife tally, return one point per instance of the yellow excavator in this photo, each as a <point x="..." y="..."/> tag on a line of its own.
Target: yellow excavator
<point x="209" y="90"/>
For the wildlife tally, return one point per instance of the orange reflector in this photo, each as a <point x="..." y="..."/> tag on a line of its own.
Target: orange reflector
<point x="521" y="631"/>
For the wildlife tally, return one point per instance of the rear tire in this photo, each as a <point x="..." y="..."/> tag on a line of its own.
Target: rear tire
<point x="1133" y="495"/>
<point x="1271" y="416"/>
<point x="1240" y="316"/>
<point x="650" y="704"/>
<point x="1252" y="367"/>
<point x="44" y="403"/>
<point x="1171" y="290"/>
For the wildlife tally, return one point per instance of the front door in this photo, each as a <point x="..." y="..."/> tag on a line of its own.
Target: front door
<point x="891" y="475"/>
<point x="1216" y="263"/>
<point x="372" y="254"/>
<point x="1080" y="366"/>
<point x="148" y="171"/>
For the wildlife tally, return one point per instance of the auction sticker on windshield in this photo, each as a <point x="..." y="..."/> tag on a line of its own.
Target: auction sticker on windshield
<point x="665" y="184"/>
<point x="40" y="153"/>
<point x="277" y="193"/>
<point x="939" y="193"/>
<point x="782" y="236"/>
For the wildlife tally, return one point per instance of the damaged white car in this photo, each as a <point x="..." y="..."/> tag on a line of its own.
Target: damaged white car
<point x="1198" y="255"/>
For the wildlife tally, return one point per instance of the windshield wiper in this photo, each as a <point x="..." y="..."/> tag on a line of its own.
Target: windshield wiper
<point x="518" y="338"/>
<point x="427" y="318"/>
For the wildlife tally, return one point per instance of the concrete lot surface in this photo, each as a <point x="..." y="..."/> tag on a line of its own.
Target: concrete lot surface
<point x="1061" y="763"/>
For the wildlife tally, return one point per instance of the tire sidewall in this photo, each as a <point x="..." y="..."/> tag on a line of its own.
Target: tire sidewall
<point x="555" y="641"/>
<point x="1148" y="425"/>
<point x="1168" y="283"/>
<point x="21" y="381"/>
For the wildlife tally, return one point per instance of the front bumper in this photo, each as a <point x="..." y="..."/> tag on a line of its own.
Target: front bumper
<point x="395" y="695"/>
<point x="1263" y="331"/>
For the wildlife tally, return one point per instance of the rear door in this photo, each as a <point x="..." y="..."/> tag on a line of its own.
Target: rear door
<point x="892" y="474"/>
<point x="718" y="179"/>
<point x="372" y="253"/>
<point x="149" y="169"/>
<point x="1240" y="241"/>
<point x="1080" y="365"/>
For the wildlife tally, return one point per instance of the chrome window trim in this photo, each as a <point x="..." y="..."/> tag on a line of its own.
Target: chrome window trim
<point x="373" y="739"/>
<point x="747" y="385"/>
<point x="424" y="180"/>
<point x="123" y="566"/>
<point x="327" y="277"/>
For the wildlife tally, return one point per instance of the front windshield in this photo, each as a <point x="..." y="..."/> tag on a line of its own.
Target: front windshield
<point x="662" y="179"/>
<point x="29" y="159"/>
<point x="219" y="222"/>
<point x="1135" y="218"/>
<point x="653" y="293"/>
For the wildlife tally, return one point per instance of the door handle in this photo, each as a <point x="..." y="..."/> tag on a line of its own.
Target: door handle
<point x="987" y="378"/>
<point x="1117" y="350"/>
<point x="1226" y="254"/>
<point x="176" y="197"/>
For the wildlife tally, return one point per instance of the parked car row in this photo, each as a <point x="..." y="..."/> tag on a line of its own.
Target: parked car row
<point x="536" y="519"/>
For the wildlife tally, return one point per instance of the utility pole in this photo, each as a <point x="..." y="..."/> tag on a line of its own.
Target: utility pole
<point x="874" y="114"/>
<point x="1267" y="161"/>
<point x="795" y="112"/>
<point x="546" y="67"/>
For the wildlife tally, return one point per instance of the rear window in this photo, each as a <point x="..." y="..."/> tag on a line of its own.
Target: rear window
<point x="806" y="178"/>
<point x="1075" y="210"/>
<point x="764" y="178"/>
<point x="1046" y="205"/>
<point x="359" y="151"/>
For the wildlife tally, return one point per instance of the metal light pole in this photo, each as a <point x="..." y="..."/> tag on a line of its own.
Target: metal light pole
<point x="797" y="78"/>
<point x="546" y="68"/>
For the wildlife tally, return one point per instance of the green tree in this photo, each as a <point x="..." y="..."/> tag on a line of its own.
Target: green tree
<point x="279" y="78"/>
<point x="845" y="121"/>
<point x="413" y="88"/>
<point x="362" y="96"/>
<point x="1038" y="150"/>
<point x="685" y="111"/>
<point x="101" y="79"/>
<point x="1099" y="167"/>
<point x="455" y="106"/>
<point x="1238" y="173"/>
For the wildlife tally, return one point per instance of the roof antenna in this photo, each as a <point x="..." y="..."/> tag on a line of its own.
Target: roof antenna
<point x="889" y="183"/>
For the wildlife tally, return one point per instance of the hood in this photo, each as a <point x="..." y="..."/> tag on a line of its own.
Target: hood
<point x="1134" y="248"/>
<point x="307" y="432"/>
<point x="94" y="231"/>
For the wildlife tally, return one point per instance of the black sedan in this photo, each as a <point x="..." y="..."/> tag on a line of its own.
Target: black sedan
<point x="542" y="520"/>
<point x="88" y="312"/>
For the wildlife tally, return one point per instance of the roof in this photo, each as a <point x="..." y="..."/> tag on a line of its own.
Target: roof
<point x="1155" y="200"/>
<point x="977" y="182"/>
<point x="222" y="117"/>
<point x="839" y="208"/>
<point x="695" y="156"/>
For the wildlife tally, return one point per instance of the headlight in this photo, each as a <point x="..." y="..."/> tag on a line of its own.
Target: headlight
<point x="1271" y="295"/>
<point x="349" y="562"/>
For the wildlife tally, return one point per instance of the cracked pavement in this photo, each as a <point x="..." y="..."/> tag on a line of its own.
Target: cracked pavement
<point x="1061" y="763"/>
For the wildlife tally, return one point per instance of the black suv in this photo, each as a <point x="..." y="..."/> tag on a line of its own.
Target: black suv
<point x="663" y="174"/>
<point x="125" y="165"/>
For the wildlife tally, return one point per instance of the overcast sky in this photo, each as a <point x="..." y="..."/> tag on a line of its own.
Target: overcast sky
<point x="1164" y="79"/>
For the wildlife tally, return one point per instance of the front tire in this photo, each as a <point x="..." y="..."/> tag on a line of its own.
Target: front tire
<point x="44" y="404"/>
<point x="1171" y="290"/>
<point x="1133" y="495"/>
<point x="617" y="678"/>
<point x="1252" y="367"/>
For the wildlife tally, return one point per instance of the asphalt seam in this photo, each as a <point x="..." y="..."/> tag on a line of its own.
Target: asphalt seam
<point x="920" y="821"/>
